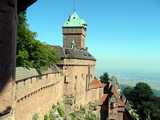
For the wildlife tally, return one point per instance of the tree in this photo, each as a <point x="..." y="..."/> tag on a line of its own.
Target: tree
<point x="155" y="108"/>
<point x="142" y="99"/>
<point x="31" y="53"/>
<point x="127" y="92"/>
<point x="105" y="78"/>
<point x="143" y="91"/>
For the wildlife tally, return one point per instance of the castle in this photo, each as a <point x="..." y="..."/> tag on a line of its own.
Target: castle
<point x="77" y="64"/>
<point x="72" y="81"/>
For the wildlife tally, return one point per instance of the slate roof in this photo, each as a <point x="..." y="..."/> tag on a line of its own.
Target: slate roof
<point x="23" y="73"/>
<point x="69" y="53"/>
<point x="75" y="21"/>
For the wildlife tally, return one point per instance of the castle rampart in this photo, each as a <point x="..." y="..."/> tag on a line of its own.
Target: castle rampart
<point x="37" y="94"/>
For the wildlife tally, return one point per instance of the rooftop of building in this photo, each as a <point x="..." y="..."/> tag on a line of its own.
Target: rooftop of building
<point x="73" y="53"/>
<point x="75" y="20"/>
<point x="95" y="84"/>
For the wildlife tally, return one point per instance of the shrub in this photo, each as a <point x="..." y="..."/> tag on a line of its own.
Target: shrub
<point x="36" y="117"/>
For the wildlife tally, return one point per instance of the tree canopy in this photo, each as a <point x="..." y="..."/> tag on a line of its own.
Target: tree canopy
<point x="105" y="78"/>
<point x="142" y="99"/>
<point x="31" y="53"/>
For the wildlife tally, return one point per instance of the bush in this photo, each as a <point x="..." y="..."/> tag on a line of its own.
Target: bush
<point x="36" y="117"/>
<point x="142" y="99"/>
<point x="46" y="117"/>
<point x="60" y="111"/>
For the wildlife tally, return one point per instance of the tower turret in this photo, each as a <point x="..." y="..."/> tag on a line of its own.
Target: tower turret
<point x="74" y="30"/>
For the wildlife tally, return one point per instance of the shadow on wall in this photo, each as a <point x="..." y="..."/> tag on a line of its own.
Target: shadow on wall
<point x="105" y="101"/>
<point x="104" y="110"/>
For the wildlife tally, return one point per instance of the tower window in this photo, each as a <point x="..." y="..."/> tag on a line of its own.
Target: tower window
<point x="76" y="77"/>
<point x="65" y="79"/>
<point x="82" y="76"/>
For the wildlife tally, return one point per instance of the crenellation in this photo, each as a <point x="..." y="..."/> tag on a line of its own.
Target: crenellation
<point x="30" y="98"/>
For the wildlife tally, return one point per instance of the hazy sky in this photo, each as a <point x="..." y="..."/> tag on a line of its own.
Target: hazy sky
<point x="124" y="35"/>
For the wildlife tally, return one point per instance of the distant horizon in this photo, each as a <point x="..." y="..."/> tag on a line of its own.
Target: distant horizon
<point x="122" y="34"/>
<point x="131" y="78"/>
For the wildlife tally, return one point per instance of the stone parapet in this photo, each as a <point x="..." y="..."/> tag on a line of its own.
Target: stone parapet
<point x="37" y="94"/>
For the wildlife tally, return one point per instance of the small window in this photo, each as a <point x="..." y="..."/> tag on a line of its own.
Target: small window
<point x="65" y="79"/>
<point x="76" y="77"/>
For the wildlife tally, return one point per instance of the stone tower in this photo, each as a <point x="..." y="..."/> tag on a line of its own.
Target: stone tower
<point x="74" y="32"/>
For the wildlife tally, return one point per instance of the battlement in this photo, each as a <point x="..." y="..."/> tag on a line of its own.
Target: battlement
<point x="30" y="85"/>
<point x="36" y="93"/>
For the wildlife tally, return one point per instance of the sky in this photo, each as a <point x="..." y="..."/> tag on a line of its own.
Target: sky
<point x="124" y="35"/>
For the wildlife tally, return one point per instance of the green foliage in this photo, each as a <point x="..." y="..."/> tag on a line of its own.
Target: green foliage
<point x="60" y="111"/>
<point x="56" y="113"/>
<point x="79" y="116"/>
<point x="134" y="115"/>
<point x="143" y="91"/>
<point x="154" y="106"/>
<point x="73" y="116"/>
<point x="83" y="114"/>
<point x="46" y="117"/>
<point x="143" y="100"/>
<point x="127" y="92"/>
<point x="105" y="78"/>
<point x="93" y="105"/>
<point x="90" y="116"/>
<point x="51" y="117"/>
<point x="36" y="117"/>
<point x="31" y="53"/>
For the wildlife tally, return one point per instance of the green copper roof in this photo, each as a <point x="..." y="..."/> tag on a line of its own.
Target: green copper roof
<point x="75" y="21"/>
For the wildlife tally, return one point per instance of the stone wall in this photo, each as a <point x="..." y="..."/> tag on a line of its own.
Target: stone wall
<point x="37" y="95"/>
<point x="78" y="75"/>
<point x="76" y="34"/>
